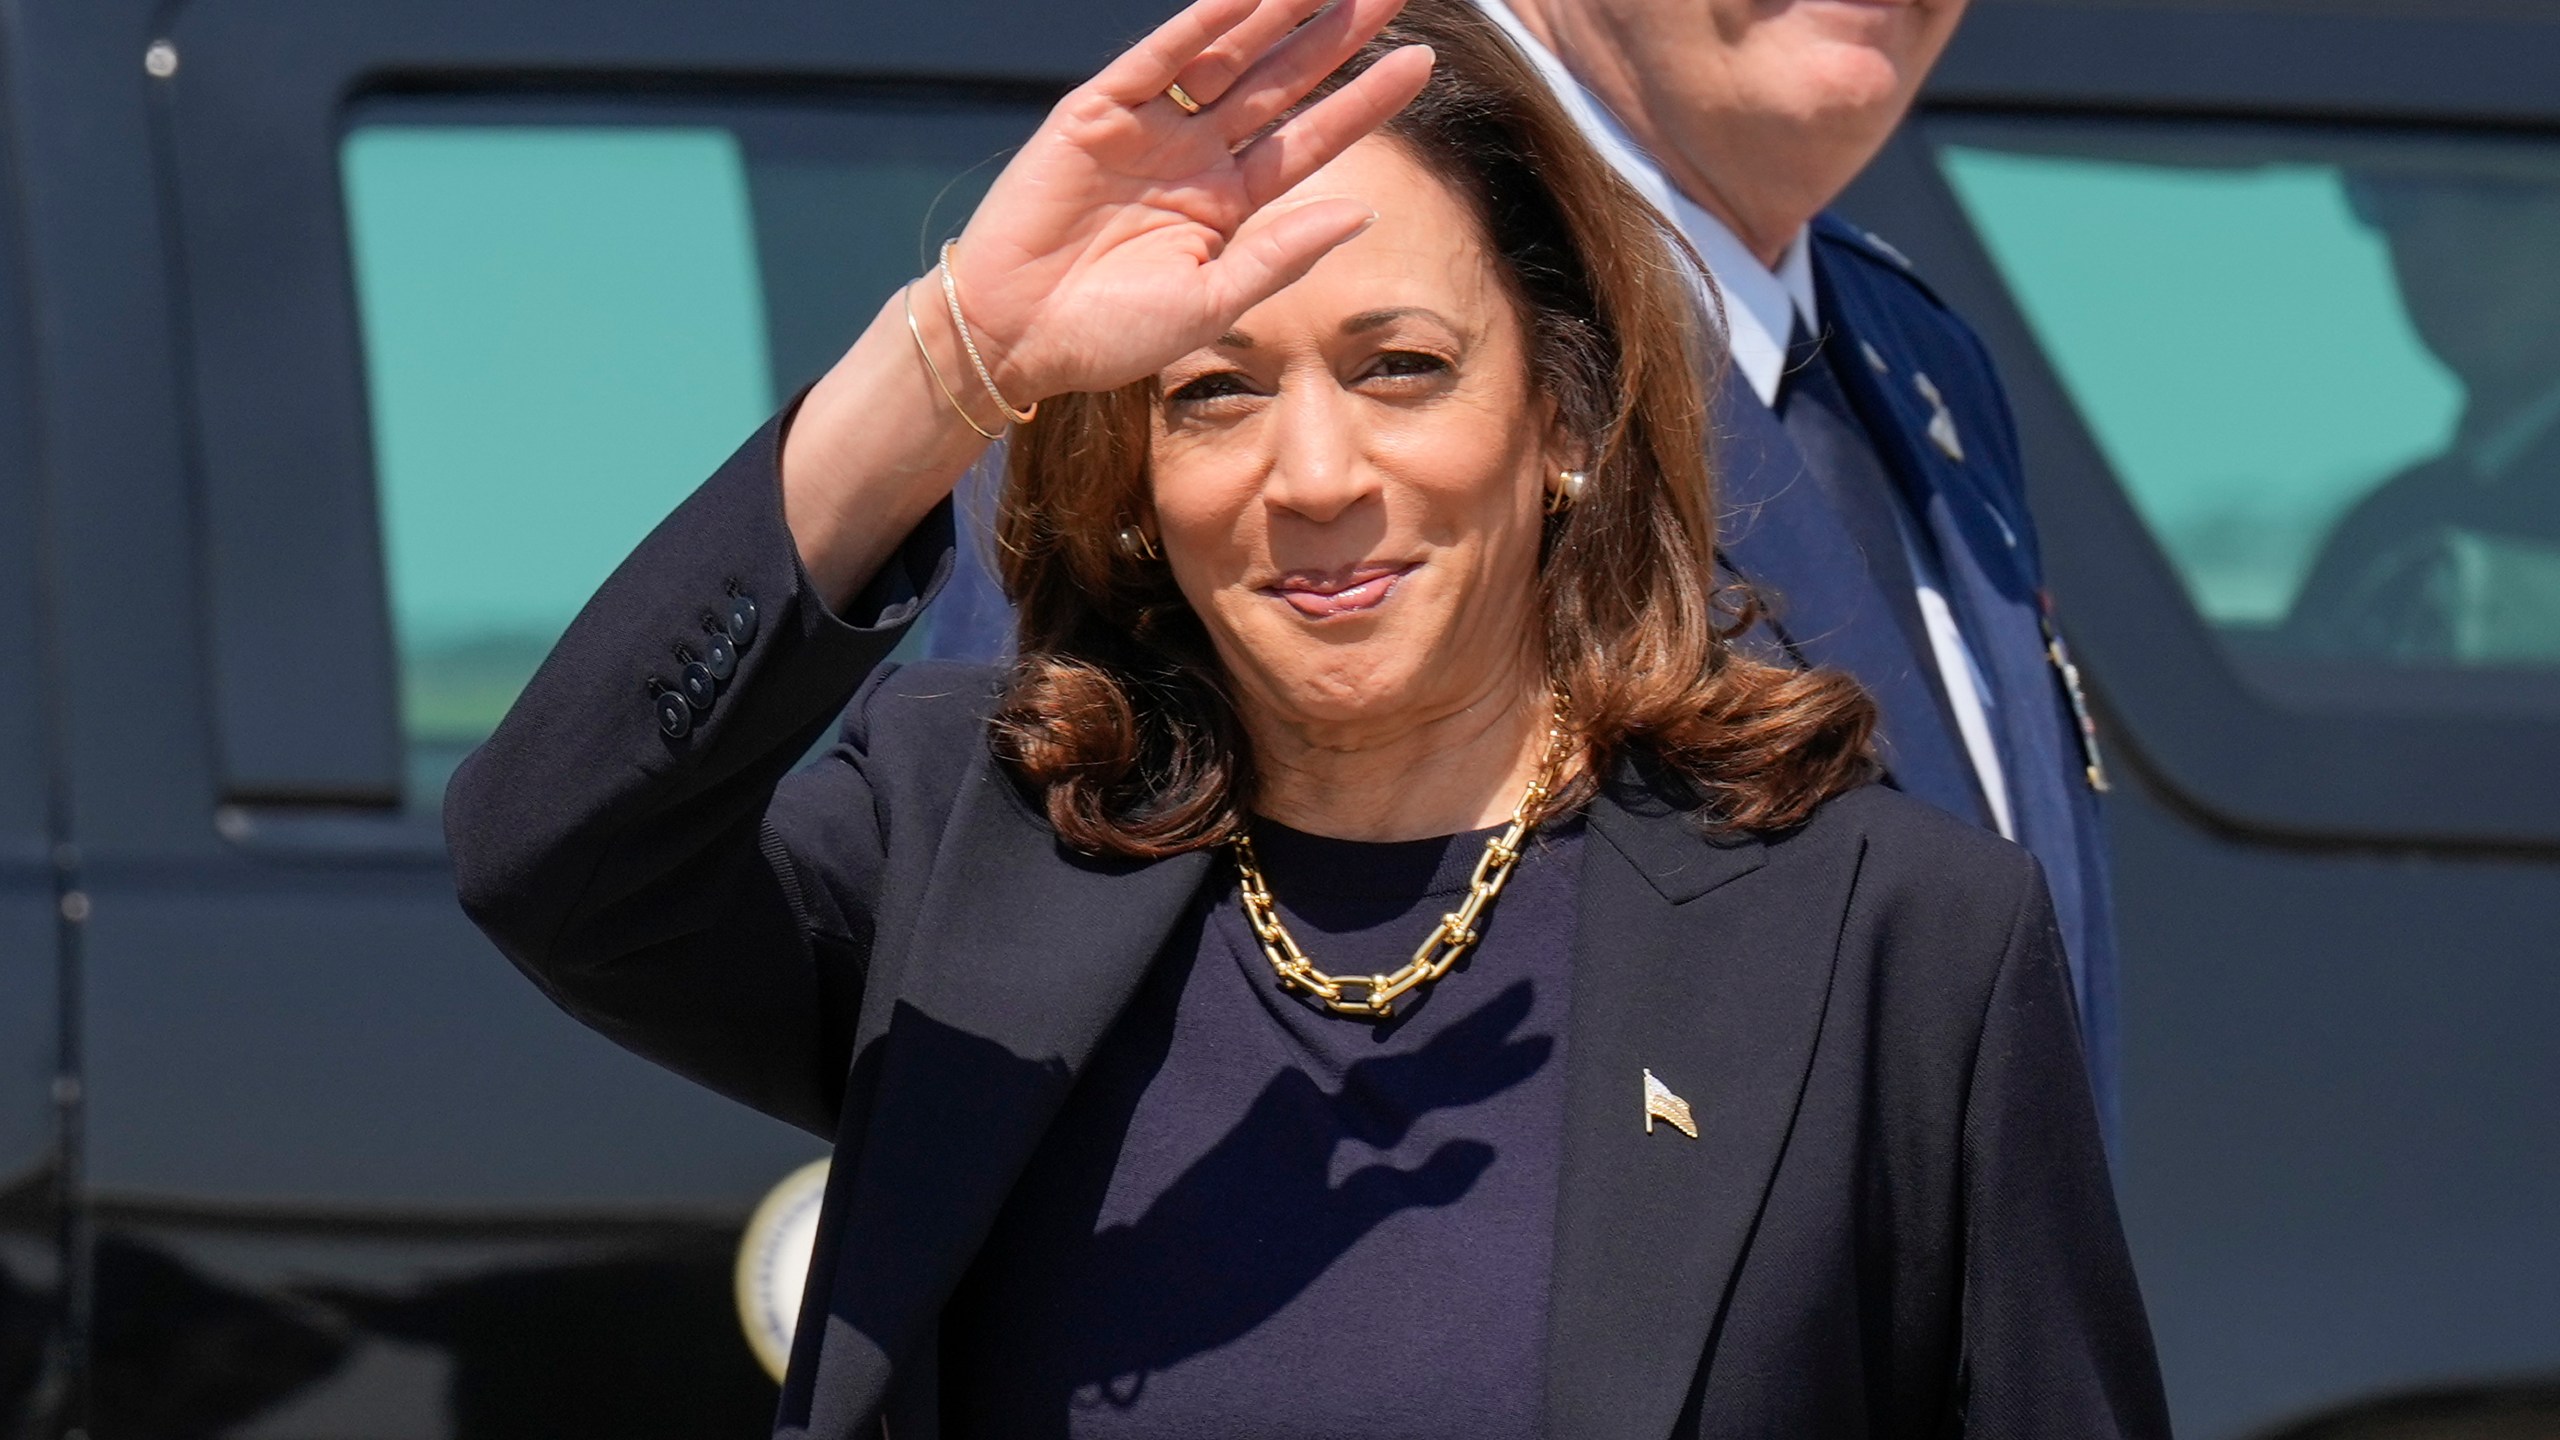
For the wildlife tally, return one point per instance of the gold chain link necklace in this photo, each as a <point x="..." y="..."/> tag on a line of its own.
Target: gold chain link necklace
<point x="1373" y="997"/>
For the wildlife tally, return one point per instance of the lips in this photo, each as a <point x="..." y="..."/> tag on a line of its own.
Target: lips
<point x="1322" y="595"/>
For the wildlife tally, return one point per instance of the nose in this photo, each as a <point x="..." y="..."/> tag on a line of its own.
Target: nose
<point x="1318" y="470"/>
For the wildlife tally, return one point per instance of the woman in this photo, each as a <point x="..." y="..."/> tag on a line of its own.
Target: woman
<point x="1380" y="962"/>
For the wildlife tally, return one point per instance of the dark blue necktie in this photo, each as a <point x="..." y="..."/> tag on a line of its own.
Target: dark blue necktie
<point x="1880" y="516"/>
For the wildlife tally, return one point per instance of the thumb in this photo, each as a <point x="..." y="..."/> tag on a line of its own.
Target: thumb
<point x="1279" y="248"/>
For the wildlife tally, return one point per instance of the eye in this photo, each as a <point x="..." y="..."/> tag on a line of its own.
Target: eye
<point x="1398" y="364"/>
<point x="1216" y="385"/>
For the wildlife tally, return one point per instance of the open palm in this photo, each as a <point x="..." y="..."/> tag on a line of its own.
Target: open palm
<point x="1129" y="232"/>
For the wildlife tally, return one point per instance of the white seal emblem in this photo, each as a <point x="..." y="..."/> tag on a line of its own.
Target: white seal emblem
<point x="773" y="1263"/>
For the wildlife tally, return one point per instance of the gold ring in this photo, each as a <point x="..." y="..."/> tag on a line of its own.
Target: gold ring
<point x="1182" y="97"/>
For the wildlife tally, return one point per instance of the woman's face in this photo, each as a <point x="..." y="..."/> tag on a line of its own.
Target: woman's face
<point x="1350" y="483"/>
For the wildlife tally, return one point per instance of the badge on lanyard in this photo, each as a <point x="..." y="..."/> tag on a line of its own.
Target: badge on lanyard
<point x="2092" y="764"/>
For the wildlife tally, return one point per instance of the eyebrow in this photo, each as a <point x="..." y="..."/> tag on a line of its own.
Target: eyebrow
<point x="1365" y="321"/>
<point x="1377" y="319"/>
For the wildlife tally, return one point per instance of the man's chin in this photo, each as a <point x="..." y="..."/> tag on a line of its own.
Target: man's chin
<point x="1831" y="79"/>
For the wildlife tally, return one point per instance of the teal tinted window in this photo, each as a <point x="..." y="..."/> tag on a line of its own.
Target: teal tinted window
<point x="2324" y="365"/>
<point x="571" y="318"/>
<point x="564" y="332"/>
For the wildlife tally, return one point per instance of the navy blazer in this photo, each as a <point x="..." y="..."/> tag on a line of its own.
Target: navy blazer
<point x="1911" y="364"/>
<point x="1896" y="1218"/>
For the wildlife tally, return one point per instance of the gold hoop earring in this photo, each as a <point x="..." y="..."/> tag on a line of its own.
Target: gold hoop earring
<point x="1565" y="489"/>
<point x="1136" y="544"/>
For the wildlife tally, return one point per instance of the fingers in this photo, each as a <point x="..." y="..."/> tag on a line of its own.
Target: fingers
<point x="1278" y="161"/>
<point x="1277" y="249"/>
<point x="1279" y="79"/>
<point x="1144" y="70"/>
<point x="1212" y="74"/>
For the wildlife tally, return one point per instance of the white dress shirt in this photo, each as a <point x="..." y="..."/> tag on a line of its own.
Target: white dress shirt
<point x="1759" y="308"/>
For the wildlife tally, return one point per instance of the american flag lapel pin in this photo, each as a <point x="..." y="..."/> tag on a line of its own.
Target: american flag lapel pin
<point x="1660" y="1104"/>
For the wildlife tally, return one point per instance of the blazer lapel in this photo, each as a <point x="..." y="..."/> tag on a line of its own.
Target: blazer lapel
<point x="974" y="1064"/>
<point x="1781" y="533"/>
<point x="1696" y="963"/>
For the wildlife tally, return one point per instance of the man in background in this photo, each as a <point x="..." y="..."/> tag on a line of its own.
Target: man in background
<point x="2456" y="560"/>
<point x="1871" y="484"/>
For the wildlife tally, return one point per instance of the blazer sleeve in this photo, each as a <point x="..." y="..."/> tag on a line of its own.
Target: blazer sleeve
<point x="625" y="850"/>
<point x="2055" y="1341"/>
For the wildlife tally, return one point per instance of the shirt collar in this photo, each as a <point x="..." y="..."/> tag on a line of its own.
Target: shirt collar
<point x="1760" y="304"/>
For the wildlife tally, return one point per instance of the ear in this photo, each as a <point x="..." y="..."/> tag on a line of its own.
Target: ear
<point x="1559" y="448"/>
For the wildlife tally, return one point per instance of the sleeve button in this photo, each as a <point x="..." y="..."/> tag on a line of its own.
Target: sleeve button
<point x="720" y="656"/>
<point x="675" y="717"/>
<point x="698" y="686"/>
<point x="742" y="620"/>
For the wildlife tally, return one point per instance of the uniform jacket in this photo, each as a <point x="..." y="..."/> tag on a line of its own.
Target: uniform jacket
<point x="1895" y="1219"/>
<point x="1930" y="399"/>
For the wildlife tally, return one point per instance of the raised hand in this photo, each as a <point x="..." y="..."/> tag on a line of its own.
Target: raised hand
<point x="1128" y="231"/>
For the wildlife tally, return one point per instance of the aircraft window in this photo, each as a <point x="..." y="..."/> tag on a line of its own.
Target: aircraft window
<point x="569" y="323"/>
<point x="2325" y="366"/>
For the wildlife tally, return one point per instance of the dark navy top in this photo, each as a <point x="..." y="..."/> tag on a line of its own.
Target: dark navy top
<point x="1256" y="1218"/>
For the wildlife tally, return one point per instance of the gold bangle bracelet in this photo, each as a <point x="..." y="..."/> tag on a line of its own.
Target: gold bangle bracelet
<point x="907" y="297"/>
<point x="951" y="293"/>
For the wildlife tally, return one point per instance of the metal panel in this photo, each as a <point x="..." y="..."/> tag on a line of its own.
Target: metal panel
<point x="38" y="1101"/>
<point x="2338" y="1154"/>
<point x="117" y="525"/>
<point x="2381" y="59"/>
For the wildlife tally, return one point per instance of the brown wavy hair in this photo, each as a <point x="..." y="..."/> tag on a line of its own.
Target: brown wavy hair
<point x="1118" y="712"/>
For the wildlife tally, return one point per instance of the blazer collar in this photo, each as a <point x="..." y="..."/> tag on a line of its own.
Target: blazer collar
<point x="1701" y="963"/>
<point x="1646" y="817"/>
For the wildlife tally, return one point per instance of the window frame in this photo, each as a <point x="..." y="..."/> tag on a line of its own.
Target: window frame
<point x="2213" y="745"/>
<point x="303" y="666"/>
